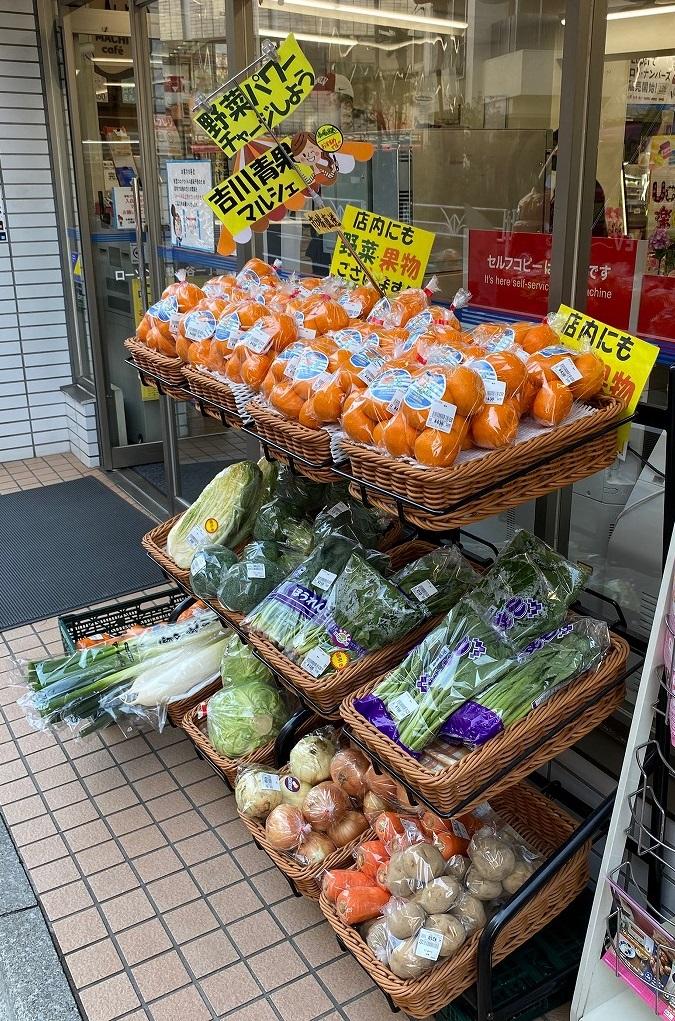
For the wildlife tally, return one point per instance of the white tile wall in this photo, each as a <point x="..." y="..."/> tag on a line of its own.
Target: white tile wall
<point x="36" y="418"/>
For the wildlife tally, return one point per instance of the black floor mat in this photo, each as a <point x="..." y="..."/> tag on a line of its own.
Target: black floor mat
<point x="66" y="546"/>
<point x="194" y="476"/>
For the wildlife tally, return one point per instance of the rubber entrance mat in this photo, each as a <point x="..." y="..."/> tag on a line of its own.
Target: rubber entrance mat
<point x="66" y="546"/>
<point x="194" y="476"/>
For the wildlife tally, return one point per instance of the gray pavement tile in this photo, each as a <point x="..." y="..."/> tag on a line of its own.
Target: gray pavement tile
<point x="31" y="976"/>
<point x="15" y="890"/>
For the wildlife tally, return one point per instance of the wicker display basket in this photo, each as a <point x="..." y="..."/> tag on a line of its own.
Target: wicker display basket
<point x="169" y="370"/>
<point x="297" y="441"/>
<point x="545" y="827"/>
<point x="214" y="391"/>
<point x="325" y="693"/>
<point x="511" y="755"/>
<point x="223" y="765"/>
<point x="154" y="544"/>
<point x="524" y="477"/>
<point x="176" y="710"/>
<point x="306" y="879"/>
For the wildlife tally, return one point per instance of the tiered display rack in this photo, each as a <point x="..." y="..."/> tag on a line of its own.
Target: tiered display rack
<point x="564" y="873"/>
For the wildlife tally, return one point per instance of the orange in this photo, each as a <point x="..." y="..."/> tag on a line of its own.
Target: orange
<point x="285" y="330"/>
<point x="526" y="395"/>
<point x="183" y="347"/>
<point x="329" y="398"/>
<point x="552" y="403"/>
<point x="378" y="438"/>
<point x="234" y="363"/>
<point x="466" y="390"/>
<point x="285" y="399"/>
<point x="461" y="428"/>
<point x="357" y="425"/>
<point x="158" y="341"/>
<point x="437" y="448"/>
<point x="540" y="367"/>
<point x="519" y="330"/>
<point x="254" y="368"/>
<point x="262" y="269"/>
<point x="198" y="352"/>
<point x="510" y="370"/>
<point x="249" y="313"/>
<point x="443" y="316"/>
<point x="399" y="436"/>
<point x="592" y="377"/>
<point x="268" y="382"/>
<point x="307" y="416"/>
<point x="143" y="328"/>
<point x="495" y="426"/>
<point x="538" y="337"/>
<point x="217" y="356"/>
<point x="187" y="295"/>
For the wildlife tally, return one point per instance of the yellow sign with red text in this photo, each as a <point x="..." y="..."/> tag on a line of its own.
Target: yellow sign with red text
<point x="395" y="253"/>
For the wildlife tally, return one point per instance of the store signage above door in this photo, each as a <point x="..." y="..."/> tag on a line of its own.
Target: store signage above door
<point x="263" y="185"/>
<point x="510" y="272"/>
<point x="259" y="102"/>
<point x="395" y="253"/>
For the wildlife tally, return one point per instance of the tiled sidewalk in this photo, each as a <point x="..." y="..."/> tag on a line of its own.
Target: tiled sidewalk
<point x="158" y="901"/>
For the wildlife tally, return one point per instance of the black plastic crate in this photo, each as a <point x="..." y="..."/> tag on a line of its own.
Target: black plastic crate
<point x="114" y="618"/>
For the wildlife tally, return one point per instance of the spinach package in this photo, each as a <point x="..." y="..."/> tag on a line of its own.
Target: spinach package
<point x="245" y="584"/>
<point x="352" y="521"/>
<point x="438" y="579"/>
<point x="548" y="664"/>
<point x="285" y="612"/>
<point x="527" y="591"/>
<point x="279" y="521"/>
<point x="456" y="661"/>
<point x="362" y="612"/>
<point x="305" y="496"/>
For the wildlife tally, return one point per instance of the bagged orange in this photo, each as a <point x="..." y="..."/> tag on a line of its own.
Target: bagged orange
<point x="295" y="386"/>
<point x="198" y="324"/>
<point x="437" y="448"/>
<point x="362" y="366"/>
<point x="592" y="372"/>
<point x="358" y="301"/>
<point x="186" y="294"/>
<point x="255" y="271"/>
<point x="220" y="286"/>
<point x="552" y="403"/>
<point x="158" y="341"/>
<point x="378" y="403"/>
<point x="328" y="396"/>
<point x="495" y="426"/>
<point x="316" y="315"/>
<point x="538" y="337"/>
<point x="438" y="393"/>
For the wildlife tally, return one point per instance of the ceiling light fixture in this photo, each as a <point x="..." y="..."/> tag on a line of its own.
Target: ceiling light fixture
<point x="370" y="16"/>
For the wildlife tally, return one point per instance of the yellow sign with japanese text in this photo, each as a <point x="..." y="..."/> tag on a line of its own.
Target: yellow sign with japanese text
<point x="395" y="253"/>
<point x="257" y="189"/>
<point x="259" y="102"/>
<point x="324" y="221"/>
<point x="628" y="360"/>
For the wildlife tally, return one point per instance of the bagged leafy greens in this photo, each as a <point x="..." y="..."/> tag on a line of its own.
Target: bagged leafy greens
<point x="438" y="579"/>
<point x="526" y="593"/>
<point x="352" y="521"/>
<point x="278" y="521"/>
<point x="247" y="583"/>
<point x="528" y="590"/>
<point x="265" y="549"/>
<point x="459" y="658"/>
<point x="286" y="611"/>
<point x="207" y="568"/>
<point x="361" y="612"/>
<point x="239" y="663"/>
<point x="546" y="665"/>
<point x="305" y="496"/>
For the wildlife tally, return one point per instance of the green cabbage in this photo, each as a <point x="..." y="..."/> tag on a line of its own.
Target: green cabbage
<point x="247" y="583"/>
<point x="242" y="718"/>
<point x="240" y="665"/>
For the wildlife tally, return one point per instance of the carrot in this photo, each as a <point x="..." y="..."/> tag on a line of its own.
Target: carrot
<point x="448" y="844"/>
<point x="337" y="880"/>
<point x="361" y="903"/>
<point x="370" y="855"/>
<point x="196" y="607"/>
<point x="386" y="825"/>
<point x="433" y="824"/>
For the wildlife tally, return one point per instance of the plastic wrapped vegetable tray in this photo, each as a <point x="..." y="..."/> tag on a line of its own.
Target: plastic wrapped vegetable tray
<point x="545" y="827"/>
<point x="517" y="751"/>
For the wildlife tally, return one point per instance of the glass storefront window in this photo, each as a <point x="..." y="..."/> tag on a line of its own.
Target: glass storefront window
<point x="460" y="100"/>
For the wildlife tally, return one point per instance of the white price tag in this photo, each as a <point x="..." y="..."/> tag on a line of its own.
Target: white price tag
<point x="255" y="570"/>
<point x="402" y="706"/>
<point x="370" y="373"/>
<point x="441" y="416"/>
<point x="338" y="509"/>
<point x="396" y="401"/>
<point x="306" y="334"/>
<point x="196" y="536"/>
<point x="566" y="371"/>
<point x="290" y="368"/>
<point x="258" y="340"/>
<point x="425" y="590"/>
<point x="429" y="944"/>
<point x="324" y="579"/>
<point x="315" y="662"/>
<point x="269" y="781"/>
<point x="495" y="392"/>
<point x="202" y="711"/>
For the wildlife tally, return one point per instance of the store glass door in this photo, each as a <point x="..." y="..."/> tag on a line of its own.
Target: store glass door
<point x="105" y="251"/>
<point x="187" y="57"/>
